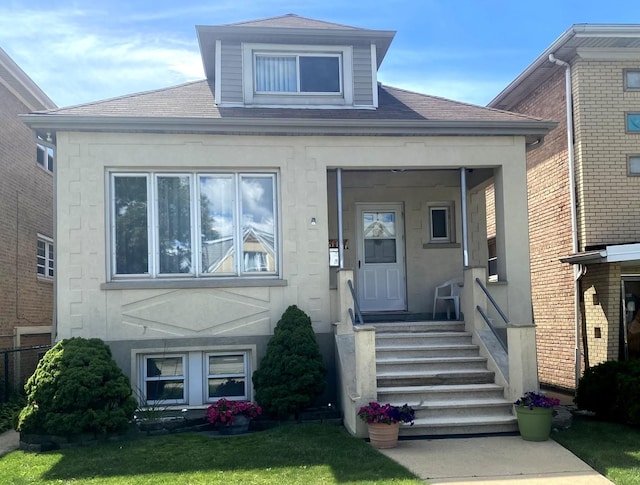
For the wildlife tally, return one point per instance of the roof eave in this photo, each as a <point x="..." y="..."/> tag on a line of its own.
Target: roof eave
<point x="52" y="123"/>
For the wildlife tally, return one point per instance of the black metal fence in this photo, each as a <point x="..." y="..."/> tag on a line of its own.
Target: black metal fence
<point x="16" y="366"/>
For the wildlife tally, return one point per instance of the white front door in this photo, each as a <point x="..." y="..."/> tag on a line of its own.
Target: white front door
<point x="380" y="266"/>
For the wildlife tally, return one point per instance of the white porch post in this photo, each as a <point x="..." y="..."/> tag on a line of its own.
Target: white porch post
<point x="463" y="210"/>
<point x="340" y="225"/>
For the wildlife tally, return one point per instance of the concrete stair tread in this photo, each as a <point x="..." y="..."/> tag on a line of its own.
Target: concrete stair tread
<point x="413" y="335"/>
<point x="387" y="348"/>
<point x="433" y="373"/>
<point x="461" y="404"/>
<point x="430" y="360"/>
<point x="463" y="421"/>
<point x="440" y="388"/>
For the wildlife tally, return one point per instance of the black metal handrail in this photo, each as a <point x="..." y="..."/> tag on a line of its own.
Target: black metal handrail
<point x="356" y="306"/>
<point x="493" y="302"/>
<point x="488" y="320"/>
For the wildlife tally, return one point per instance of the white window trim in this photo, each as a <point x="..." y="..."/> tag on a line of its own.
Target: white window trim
<point x="144" y="379"/>
<point x="309" y="100"/>
<point x="246" y="375"/>
<point x="195" y="370"/>
<point x="48" y="257"/>
<point x="448" y="208"/>
<point x="196" y="255"/>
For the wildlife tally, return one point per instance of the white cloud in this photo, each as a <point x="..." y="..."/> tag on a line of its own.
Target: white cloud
<point x="74" y="61"/>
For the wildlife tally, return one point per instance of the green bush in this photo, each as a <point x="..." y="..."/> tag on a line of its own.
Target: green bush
<point x="77" y="388"/>
<point x="611" y="390"/>
<point x="291" y="375"/>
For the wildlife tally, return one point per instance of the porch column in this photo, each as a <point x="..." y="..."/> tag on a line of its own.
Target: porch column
<point x="463" y="210"/>
<point x="340" y="228"/>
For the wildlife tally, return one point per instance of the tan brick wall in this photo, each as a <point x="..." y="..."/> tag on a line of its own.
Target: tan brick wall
<point x="607" y="196"/>
<point x="601" y="307"/>
<point x="26" y="205"/>
<point x="550" y="238"/>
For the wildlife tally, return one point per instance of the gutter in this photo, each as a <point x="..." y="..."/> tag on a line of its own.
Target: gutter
<point x="578" y="269"/>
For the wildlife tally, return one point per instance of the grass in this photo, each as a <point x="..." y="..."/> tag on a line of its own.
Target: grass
<point x="612" y="449"/>
<point x="295" y="454"/>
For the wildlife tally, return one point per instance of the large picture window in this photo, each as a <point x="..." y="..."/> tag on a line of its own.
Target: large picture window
<point x="199" y="224"/>
<point x="297" y="73"/>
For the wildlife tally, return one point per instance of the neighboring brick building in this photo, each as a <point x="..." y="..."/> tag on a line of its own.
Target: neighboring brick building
<point x="26" y="220"/>
<point x="604" y="63"/>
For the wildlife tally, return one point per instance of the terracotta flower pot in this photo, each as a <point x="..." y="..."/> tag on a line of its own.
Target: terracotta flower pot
<point x="383" y="435"/>
<point x="534" y="424"/>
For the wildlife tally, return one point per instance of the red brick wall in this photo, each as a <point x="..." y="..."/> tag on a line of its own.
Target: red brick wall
<point x="26" y="209"/>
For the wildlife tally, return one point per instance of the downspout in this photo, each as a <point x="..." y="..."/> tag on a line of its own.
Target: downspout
<point x="577" y="269"/>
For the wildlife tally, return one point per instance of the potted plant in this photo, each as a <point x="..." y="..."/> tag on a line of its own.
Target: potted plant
<point x="534" y="412"/>
<point x="232" y="417"/>
<point x="383" y="422"/>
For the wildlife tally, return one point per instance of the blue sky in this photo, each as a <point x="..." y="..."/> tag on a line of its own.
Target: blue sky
<point x="80" y="51"/>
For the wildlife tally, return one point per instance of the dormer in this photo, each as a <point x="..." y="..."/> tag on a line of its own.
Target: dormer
<point x="293" y="62"/>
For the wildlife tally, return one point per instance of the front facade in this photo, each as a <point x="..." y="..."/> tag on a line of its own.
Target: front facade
<point x="584" y="272"/>
<point x="26" y="225"/>
<point x="190" y="218"/>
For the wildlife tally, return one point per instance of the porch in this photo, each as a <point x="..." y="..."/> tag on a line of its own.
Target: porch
<point x="460" y="376"/>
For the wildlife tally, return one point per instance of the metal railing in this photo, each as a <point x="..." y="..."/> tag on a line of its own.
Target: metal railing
<point x="356" y="306"/>
<point x="17" y="365"/>
<point x="501" y="339"/>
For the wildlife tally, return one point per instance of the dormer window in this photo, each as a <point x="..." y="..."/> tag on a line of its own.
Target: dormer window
<point x="297" y="73"/>
<point x="285" y="75"/>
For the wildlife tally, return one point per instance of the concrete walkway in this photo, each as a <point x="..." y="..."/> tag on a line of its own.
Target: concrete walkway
<point x="493" y="460"/>
<point x="9" y="441"/>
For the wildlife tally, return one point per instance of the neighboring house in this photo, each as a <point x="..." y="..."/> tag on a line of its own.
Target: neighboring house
<point x="583" y="311"/>
<point x="26" y="224"/>
<point x="189" y="218"/>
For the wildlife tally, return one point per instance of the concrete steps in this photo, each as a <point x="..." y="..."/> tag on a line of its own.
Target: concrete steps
<point x="434" y="367"/>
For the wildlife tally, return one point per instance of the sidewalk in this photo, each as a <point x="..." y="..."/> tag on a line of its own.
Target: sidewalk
<point x="495" y="460"/>
<point x="9" y="441"/>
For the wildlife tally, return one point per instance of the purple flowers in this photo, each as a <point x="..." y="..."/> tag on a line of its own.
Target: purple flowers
<point x="223" y="412"/>
<point x="534" y="400"/>
<point x="386" y="413"/>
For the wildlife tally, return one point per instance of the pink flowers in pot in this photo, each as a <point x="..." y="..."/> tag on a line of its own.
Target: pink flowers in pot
<point x="386" y="413"/>
<point x="224" y="412"/>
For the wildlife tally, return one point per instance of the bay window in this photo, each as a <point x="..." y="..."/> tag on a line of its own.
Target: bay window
<point x="193" y="224"/>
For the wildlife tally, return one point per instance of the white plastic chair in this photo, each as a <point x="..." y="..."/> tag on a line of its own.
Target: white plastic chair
<point x="449" y="291"/>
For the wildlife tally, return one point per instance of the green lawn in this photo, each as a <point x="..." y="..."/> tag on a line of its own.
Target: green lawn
<point x="612" y="449"/>
<point x="295" y="454"/>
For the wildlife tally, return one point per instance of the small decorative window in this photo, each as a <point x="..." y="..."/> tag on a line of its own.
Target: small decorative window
<point x="226" y="376"/>
<point x="164" y="379"/>
<point x="633" y="164"/>
<point x="44" y="157"/>
<point x="632" y="79"/>
<point x="633" y="122"/>
<point x="44" y="258"/>
<point x="440" y="223"/>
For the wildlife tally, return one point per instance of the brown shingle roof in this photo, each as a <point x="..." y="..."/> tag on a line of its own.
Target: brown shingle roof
<point x="292" y="21"/>
<point x="196" y="100"/>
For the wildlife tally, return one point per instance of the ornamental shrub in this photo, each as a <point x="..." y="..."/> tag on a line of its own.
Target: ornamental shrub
<point x="611" y="390"/>
<point x="77" y="388"/>
<point x="291" y="374"/>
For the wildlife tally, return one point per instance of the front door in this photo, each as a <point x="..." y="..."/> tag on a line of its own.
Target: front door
<point x="381" y="270"/>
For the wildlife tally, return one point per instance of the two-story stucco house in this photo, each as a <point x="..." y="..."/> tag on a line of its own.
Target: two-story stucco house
<point x="26" y="226"/>
<point x="583" y="198"/>
<point x="189" y="218"/>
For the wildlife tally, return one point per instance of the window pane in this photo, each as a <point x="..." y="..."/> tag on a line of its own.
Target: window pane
<point x="174" y="224"/>
<point x="164" y="366"/>
<point x="319" y="74"/>
<point x="633" y="79"/>
<point x="439" y="223"/>
<point x="633" y="122"/>
<point x="276" y="74"/>
<point x="165" y="390"/>
<point x="234" y="387"/>
<point x="634" y="165"/>
<point x="131" y="237"/>
<point x="258" y="224"/>
<point x="217" y="221"/>
<point x="226" y="364"/>
<point x="380" y="250"/>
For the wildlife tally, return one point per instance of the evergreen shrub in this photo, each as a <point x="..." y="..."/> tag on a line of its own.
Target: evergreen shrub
<point x="291" y="374"/>
<point x="77" y="388"/>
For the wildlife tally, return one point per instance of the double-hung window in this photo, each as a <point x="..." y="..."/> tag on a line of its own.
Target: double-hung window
<point x="164" y="379"/>
<point x="193" y="224"/>
<point x="44" y="259"/>
<point x="44" y="157"/>
<point x="226" y="376"/>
